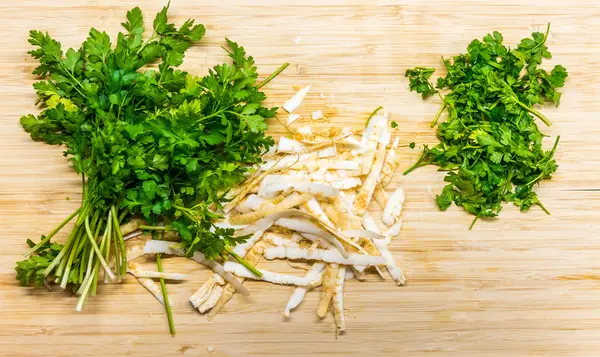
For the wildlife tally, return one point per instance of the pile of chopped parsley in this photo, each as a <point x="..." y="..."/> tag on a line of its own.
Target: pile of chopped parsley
<point x="490" y="143"/>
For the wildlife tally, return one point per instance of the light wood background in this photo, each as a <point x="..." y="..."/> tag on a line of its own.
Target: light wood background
<point x="522" y="285"/>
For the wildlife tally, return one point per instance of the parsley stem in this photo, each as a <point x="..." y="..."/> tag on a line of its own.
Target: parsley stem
<point x="155" y="228"/>
<point x="537" y="201"/>
<point x="438" y="114"/>
<point x="548" y="158"/>
<point x="97" y="250"/>
<point x="535" y="112"/>
<point x="473" y="223"/>
<point x="416" y="165"/>
<point x="273" y="75"/>
<point x="52" y="234"/>
<point x="243" y="262"/>
<point x="373" y="114"/>
<point x="163" y="288"/>
<point x="210" y="116"/>
<point x="62" y="252"/>
<point x="121" y="241"/>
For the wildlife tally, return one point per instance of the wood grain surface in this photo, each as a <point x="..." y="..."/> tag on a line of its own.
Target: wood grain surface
<point x="521" y="285"/>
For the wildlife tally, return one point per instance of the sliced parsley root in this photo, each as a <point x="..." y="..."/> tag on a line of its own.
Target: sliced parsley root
<point x="158" y="144"/>
<point x="490" y="143"/>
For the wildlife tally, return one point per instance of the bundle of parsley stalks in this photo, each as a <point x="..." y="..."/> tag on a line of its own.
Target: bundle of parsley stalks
<point x="490" y="143"/>
<point x="157" y="143"/>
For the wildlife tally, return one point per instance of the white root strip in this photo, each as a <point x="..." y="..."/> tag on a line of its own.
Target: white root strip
<point x="324" y="255"/>
<point x="154" y="289"/>
<point x="363" y="233"/>
<point x="206" y="297"/>
<point x="268" y="276"/>
<point x="242" y="249"/>
<point x="328" y="289"/>
<point x="381" y="196"/>
<point x="315" y="278"/>
<point x="294" y="102"/>
<point x="138" y="273"/>
<point x="338" y="300"/>
<point x="287" y="203"/>
<point x="366" y="191"/>
<point x="393" y="231"/>
<point x="134" y="253"/>
<point x="165" y="247"/>
<point x="389" y="167"/>
<point x="395" y="271"/>
<point x="277" y="240"/>
<point x="393" y="208"/>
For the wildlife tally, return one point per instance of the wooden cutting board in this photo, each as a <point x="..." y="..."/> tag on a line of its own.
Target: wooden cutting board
<point x="521" y="285"/>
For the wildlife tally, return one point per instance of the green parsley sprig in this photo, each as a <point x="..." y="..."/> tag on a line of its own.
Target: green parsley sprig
<point x="490" y="143"/>
<point x="158" y="143"/>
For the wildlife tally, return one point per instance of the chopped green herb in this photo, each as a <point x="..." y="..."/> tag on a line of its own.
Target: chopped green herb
<point x="490" y="143"/>
<point x="411" y="145"/>
<point x="394" y="125"/>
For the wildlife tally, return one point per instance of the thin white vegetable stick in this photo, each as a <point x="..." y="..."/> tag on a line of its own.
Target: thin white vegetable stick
<point x="296" y="237"/>
<point x="315" y="276"/>
<point x="240" y="192"/>
<point x="211" y="300"/>
<point x="277" y="240"/>
<point x="218" y="279"/>
<point x="393" y="208"/>
<point x="304" y="226"/>
<point x="325" y="255"/>
<point x="131" y="226"/>
<point x="363" y="233"/>
<point x="395" y="272"/>
<point x="313" y="207"/>
<point x="132" y="235"/>
<point x="314" y="188"/>
<point x="288" y="161"/>
<point x="154" y="289"/>
<point x="369" y="223"/>
<point x="292" y="118"/>
<point x="390" y="165"/>
<point x="225" y="223"/>
<point x="328" y="289"/>
<point x="268" y="276"/>
<point x="272" y="151"/>
<point x="338" y="300"/>
<point x="381" y="196"/>
<point x="322" y="243"/>
<point x="158" y="246"/>
<point x="289" y="146"/>
<point x="382" y="246"/>
<point x="287" y="203"/>
<point x="205" y="294"/>
<point x="294" y="102"/>
<point x="330" y="151"/>
<point x="242" y="249"/>
<point x="366" y="192"/>
<point x="393" y="231"/>
<point x="156" y="274"/>
<point x="347" y="183"/>
<point x="134" y="253"/>
<point x="252" y="257"/>
<point x="250" y="203"/>
<point x="349" y="274"/>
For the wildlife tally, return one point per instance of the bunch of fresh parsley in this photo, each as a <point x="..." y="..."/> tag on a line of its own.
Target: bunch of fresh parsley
<point x="158" y="143"/>
<point x="490" y="143"/>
